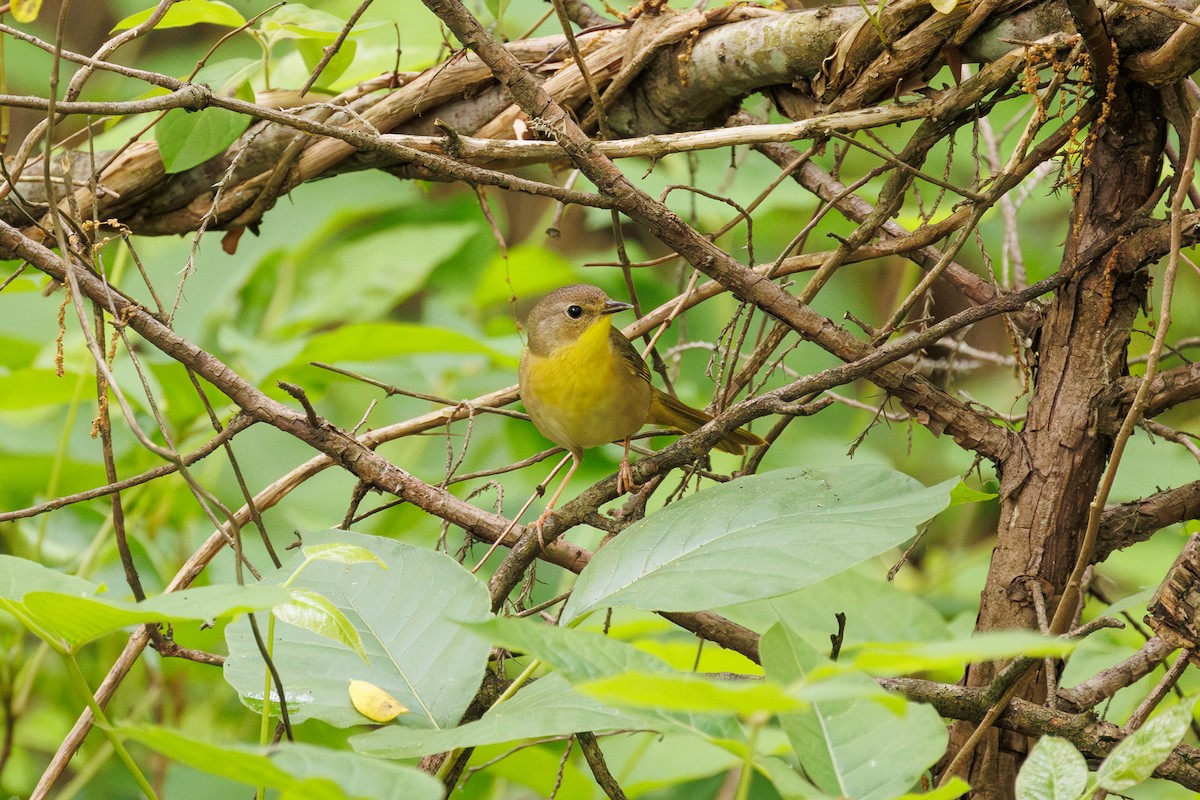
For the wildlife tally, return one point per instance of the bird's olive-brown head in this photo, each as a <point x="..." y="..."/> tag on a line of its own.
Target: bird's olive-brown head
<point x="562" y="316"/>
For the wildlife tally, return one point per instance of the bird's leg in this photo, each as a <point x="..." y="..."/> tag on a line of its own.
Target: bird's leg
<point x="625" y="481"/>
<point x="540" y="491"/>
<point x="576" y="458"/>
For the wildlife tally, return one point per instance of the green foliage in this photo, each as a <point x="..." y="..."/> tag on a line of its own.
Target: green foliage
<point x="851" y="746"/>
<point x="754" y="538"/>
<point x="688" y="693"/>
<point x="35" y="388"/>
<point x="589" y="659"/>
<point x="295" y="770"/>
<point x="187" y="138"/>
<point x="1135" y="758"/>
<point x="406" y="618"/>
<point x="903" y="658"/>
<point x="549" y="707"/>
<point x="66" y="613"/>
<point x="1055" y="770"/>
<point x="182" y="15"/>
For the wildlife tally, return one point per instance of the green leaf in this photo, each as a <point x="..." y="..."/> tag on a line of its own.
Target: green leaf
<point x="19" y="576"/>
<point x="1134" y="760"/>
<point x="379" y="341"/>
<point x="683" y="692"/>
<point x="757" y="537"/>
<point x="851" y="746"/>
<point x="955" y="787"/>
<point x="788" y="781"/>
<point x="75" y="621"/>
<point x="188" y="138"/>
<point x="1054" y="770"/>
<point x="66" y="613"/>
<point x="185" y="13"/>
<point x="962" y="495"/>
<point x="588" y="656"/>
<point x="875" y="610"/>
<point x="580" y="655"/>
<point x="296" y="770"/>
<point x="312" y="612"/>
<point x="312" y="52"/>
<point x="298" y="20"/>
<point x="407" y="618"/>
<point x="548" y="707"/>
<point x="902" y="658"/>
<point x="341" y="553"/>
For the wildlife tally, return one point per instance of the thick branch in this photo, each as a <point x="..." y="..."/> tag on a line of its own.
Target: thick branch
<point x="1093" y="738"/>
<point x="1135" y="522"/>
<point x="729" y="60"/>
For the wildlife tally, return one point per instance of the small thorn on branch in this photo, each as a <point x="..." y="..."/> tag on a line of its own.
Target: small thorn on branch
<point x="298" y="394"/>
<point x="836" y="639"/>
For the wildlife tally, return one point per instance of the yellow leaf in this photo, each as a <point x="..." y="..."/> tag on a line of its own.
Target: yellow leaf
<point x="943" y="6"/>
<point x="374" y="703"/>
<point x="26" y="10"/>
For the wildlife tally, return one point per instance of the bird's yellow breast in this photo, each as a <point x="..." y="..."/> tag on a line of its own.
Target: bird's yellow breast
<point x="581" y="394"/>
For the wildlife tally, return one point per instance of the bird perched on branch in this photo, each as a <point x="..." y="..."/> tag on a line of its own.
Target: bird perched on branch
<point x="584" y="384"/>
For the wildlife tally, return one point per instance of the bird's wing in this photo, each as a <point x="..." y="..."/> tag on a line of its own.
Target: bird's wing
<point x="628" y="354"/>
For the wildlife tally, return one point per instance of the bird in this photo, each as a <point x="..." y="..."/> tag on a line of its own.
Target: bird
<point x="584" y="384"/>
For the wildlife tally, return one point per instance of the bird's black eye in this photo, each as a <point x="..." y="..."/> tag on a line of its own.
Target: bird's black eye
<point x="574" y="312"/>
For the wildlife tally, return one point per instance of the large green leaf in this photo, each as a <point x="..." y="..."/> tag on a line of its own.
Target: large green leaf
<point x="852" y="746"/>
<point x="1135" y="759"/>
<point x="876" y="611"/>
<point x="1054" y="770"/>
<point x="67" y="612"/>
<point x="406" y="617"/>
<point x="756" y="537"/>
<point x="549" y="707"/>
<point x="182" y="15"/>
<point x="903" y="658"/>
<point x="297" y="770"/>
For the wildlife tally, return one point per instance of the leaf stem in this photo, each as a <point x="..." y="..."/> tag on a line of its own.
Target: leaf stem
<point x="743" y="789"/>
<point x="264" y="726"/>
<point x="81" y="685"/>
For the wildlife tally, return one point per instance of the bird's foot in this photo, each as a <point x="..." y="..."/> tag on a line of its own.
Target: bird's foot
<point x="538" y="526"/>
<point x="625" y="482"/>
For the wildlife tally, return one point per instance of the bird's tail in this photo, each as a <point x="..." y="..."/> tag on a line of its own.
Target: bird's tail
<point x="666" y="410"/>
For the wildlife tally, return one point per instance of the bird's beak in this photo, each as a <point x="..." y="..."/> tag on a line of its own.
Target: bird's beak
<point x="613" y="306"/>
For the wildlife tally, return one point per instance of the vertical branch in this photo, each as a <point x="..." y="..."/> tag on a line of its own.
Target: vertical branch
<point x="1048" y="483"/>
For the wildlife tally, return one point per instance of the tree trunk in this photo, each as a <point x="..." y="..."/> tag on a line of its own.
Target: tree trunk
<point x="1049" y="482"/>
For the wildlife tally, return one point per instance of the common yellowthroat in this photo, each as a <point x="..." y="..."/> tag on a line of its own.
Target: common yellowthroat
<point x="584" y="384"/>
